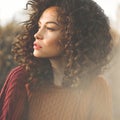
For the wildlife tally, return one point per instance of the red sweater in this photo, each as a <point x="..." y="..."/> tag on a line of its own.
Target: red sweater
<point x="53" y="103"/>
<point x="13" y="96"/>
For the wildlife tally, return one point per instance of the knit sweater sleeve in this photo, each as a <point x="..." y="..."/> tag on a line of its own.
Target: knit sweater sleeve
<point x="13" y="96"/>
<point x="101" y="103"/>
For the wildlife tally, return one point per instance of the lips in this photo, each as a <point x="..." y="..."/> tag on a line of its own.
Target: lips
<point x="36" y="46"/>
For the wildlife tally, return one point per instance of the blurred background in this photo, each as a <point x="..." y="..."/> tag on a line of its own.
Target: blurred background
<point x="12" y="13"/>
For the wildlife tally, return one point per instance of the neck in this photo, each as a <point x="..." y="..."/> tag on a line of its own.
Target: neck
<point x="58" y="66"/>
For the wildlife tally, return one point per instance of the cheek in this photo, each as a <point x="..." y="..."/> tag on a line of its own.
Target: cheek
<point x="52" y="41"/>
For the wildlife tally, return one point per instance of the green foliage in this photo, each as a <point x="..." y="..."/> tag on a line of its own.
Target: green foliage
<point x="7" y="35"/>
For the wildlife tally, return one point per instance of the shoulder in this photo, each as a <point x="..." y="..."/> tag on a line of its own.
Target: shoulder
<point x="15" y="82"/>
<point x="18" y="72"/>
<point x="100" y="88"/>
<point x="13" y="93"/>
<point x="100" y="82"/>
<point x="16" y="78"/>
<point x="101" y="99"/>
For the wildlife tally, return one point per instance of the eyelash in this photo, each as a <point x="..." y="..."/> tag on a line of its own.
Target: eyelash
<point x="48" y="28"/>
<point x="51" y="29"/>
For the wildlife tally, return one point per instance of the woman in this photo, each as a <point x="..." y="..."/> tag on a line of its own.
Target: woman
<point x="62" y="51"/>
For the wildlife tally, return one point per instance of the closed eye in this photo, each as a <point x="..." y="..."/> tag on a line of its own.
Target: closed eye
<point x="51" y="29"/>
<point x="48" y="28"/>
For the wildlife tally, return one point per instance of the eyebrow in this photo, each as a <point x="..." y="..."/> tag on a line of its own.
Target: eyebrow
<point x="50" y="22"/>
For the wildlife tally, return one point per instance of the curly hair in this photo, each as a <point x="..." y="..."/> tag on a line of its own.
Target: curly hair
<point x="87" y="40"/>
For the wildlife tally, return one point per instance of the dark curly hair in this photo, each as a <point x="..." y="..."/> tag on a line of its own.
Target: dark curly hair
<point x="87" y="40"/>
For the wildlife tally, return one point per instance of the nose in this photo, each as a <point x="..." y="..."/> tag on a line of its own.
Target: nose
<point x="38" y="35"/>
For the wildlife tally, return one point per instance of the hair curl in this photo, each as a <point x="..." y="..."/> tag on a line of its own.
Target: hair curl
<point x="87" y="40"/>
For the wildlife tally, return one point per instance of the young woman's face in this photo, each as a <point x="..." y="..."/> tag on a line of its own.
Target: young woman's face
<point x="48" y="36"/>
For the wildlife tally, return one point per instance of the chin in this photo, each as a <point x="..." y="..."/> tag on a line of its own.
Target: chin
<point x="35" y="54"/>
<point x="38" y="55"/>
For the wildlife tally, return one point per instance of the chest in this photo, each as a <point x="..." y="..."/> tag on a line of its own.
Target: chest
<point x="57" y="104"/>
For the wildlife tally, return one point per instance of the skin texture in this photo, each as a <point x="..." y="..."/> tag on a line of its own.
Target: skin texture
<point x="47" y="38"/>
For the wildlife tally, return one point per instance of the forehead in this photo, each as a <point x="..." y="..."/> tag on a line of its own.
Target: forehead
<point x="49" y="14"/>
